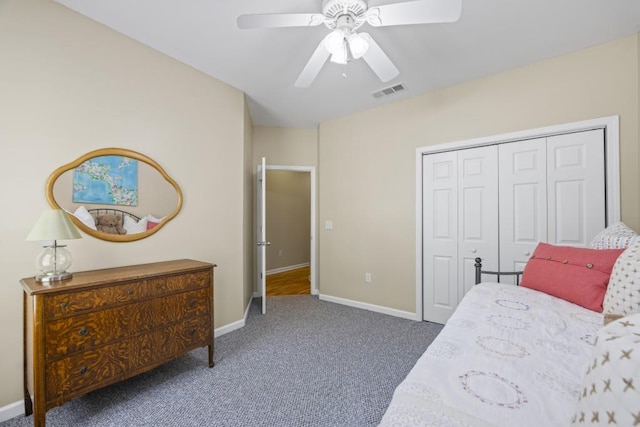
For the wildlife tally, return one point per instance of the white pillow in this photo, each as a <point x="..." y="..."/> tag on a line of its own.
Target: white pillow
<point x="623" y="292"/>
<point x="85" y="217"/>
<point x="615" y="236"/>
<point x="610" y="394"/>
<point x="134" y="227"/>
<point x="154" y="219"/>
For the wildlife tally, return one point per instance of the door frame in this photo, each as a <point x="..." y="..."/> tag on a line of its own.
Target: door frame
<point x="312" y="241"/>
<point x="611" y="127"/>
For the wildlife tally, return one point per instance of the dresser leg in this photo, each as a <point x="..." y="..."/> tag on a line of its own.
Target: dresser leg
<point x="39" y="417"/>
<point x="211" y="356"/>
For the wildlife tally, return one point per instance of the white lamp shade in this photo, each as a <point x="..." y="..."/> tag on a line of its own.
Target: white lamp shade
<point x="358" y="45"/>
<point x="54" y="224"/>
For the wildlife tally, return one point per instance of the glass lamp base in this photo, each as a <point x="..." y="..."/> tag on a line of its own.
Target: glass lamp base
<point x="45" y="278"/>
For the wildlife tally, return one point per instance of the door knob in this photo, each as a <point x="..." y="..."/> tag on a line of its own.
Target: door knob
<point x="527" y="253"/>
<point x="474" y="250"/>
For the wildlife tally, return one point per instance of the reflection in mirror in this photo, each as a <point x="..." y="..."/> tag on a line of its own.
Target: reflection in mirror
<point x="129" y="216"/>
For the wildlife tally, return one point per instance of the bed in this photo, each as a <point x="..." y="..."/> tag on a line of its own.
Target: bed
<point x="508" y="356"/>
<point x="516" y="356"/>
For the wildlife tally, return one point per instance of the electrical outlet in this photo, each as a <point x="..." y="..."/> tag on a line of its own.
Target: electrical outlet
<point x="367" y="277"/>
<point x="280" y="252"/>
<point x="328" y="224"/>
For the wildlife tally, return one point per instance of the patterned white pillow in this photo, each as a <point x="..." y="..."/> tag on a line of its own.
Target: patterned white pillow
<point x="610" y="393"/>
<point x="87" y="219"/>
<point x="615" y="236"/>
<point x="623" y="292"/>
<point x="134" y="227"/>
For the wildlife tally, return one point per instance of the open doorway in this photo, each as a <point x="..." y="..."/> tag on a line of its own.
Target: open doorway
<point x="288" y="222"/>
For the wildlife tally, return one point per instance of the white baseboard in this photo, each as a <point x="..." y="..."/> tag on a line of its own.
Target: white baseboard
<point x="12" y="410"/>
<point x="234" y="325"/>
<point x="370" y="307"/>
<point x="287" y="268"/>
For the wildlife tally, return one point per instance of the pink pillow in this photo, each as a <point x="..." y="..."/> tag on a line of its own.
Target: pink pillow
<point x="151" y="224"/>
<point x="578" y="275"/>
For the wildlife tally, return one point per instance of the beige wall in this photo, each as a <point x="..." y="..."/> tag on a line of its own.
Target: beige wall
<point x="68" y="86"/>
<point x="288" y="218"/>
<point x="367" y="185"/>
<point x="248" y="208"/>
<point x="285" y="146"/>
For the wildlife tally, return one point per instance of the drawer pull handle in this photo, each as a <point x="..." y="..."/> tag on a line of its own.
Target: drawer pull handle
<point x="130" y="292"/>
<point x="159" y="285"/>
<point x="192" y="332"/>
<point x="64" y="304"/>
<point x="83" y="370"/>
<point x="83" y="331"/>
<point x="192" y="304"/>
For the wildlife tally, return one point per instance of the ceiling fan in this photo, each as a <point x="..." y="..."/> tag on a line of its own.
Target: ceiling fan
<point x="343" y="18"/>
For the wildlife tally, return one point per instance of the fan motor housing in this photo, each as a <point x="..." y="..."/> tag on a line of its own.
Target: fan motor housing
<point x="333" y="10"/>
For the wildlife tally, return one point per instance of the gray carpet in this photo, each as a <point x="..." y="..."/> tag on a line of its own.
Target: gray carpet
<point x="305" y="363"/>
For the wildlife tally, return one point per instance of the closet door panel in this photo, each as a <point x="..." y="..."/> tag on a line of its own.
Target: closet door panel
<point x="576" y="187"/>
<point x="440" y="236"/>
<point x="523" y="201"/>
<point x="477" y="212"/>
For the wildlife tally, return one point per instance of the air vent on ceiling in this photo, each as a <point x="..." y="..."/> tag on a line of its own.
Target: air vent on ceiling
<point x="389" y="90"/>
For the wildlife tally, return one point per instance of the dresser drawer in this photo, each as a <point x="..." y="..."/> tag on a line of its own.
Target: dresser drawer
<point x="174" y="340"/>
<point x="86" y="370"/>
<point x="169" y="342"/>
<point x="185" y="305"/>
<point x="72" y="334"/>
<point x="72" y="303"/>
<point x="150" y="314"/>
<point x="177" y="283"/>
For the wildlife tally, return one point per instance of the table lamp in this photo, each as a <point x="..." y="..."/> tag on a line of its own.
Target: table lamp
<point x="53" y="262"/>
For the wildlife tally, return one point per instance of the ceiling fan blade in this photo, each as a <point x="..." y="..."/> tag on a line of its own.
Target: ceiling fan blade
<point x="378" y="60"/>
<point x="275" y="20"/>
<point x="415" y="12"/>
<point x="311" y="70"/>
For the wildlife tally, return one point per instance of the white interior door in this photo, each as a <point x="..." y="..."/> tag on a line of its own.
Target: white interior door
<point x="477" y="213"/>
<point x="523" y="202"/>
<point x="440" y="236"/>
<point x="262" y="243"/>
<point x="576" y="187"/>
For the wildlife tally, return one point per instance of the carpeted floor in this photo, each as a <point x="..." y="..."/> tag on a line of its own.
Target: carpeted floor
<point x="305" y="363"/>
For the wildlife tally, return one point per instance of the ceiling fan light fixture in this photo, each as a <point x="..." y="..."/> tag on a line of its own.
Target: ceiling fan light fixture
<point x="358" y="45"/>
<point x="334" y="42"/>
<point x="340" y="56"/>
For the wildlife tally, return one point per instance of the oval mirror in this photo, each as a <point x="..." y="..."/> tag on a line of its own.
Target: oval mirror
<point x="115" y="194"/>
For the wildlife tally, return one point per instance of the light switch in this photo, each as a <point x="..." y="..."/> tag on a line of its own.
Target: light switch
<point x="328" y="224"/>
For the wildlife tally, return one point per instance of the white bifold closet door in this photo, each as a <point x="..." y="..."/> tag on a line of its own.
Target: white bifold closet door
<point x="460" y="219"/>
<point x="551" y="190"/>
<point x="497" y="202"/>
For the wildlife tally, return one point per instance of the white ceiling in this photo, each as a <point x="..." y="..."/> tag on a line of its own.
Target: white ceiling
<point x="491" y="36"/>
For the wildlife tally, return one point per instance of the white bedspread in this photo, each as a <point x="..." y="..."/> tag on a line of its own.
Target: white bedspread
<point x="509" y="356"/>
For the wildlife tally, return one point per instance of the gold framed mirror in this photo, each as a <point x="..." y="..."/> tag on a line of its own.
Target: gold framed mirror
<point x="119" y="183"/>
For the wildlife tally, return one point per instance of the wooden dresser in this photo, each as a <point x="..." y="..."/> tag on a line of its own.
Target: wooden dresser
<point x="104" y="326"/>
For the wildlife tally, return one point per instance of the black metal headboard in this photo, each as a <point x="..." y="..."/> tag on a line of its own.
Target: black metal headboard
<point x="110" y="211"/>
<point x="480" y="272"/>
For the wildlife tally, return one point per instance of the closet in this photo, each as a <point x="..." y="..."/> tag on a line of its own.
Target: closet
<point x="498" y="201"/>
